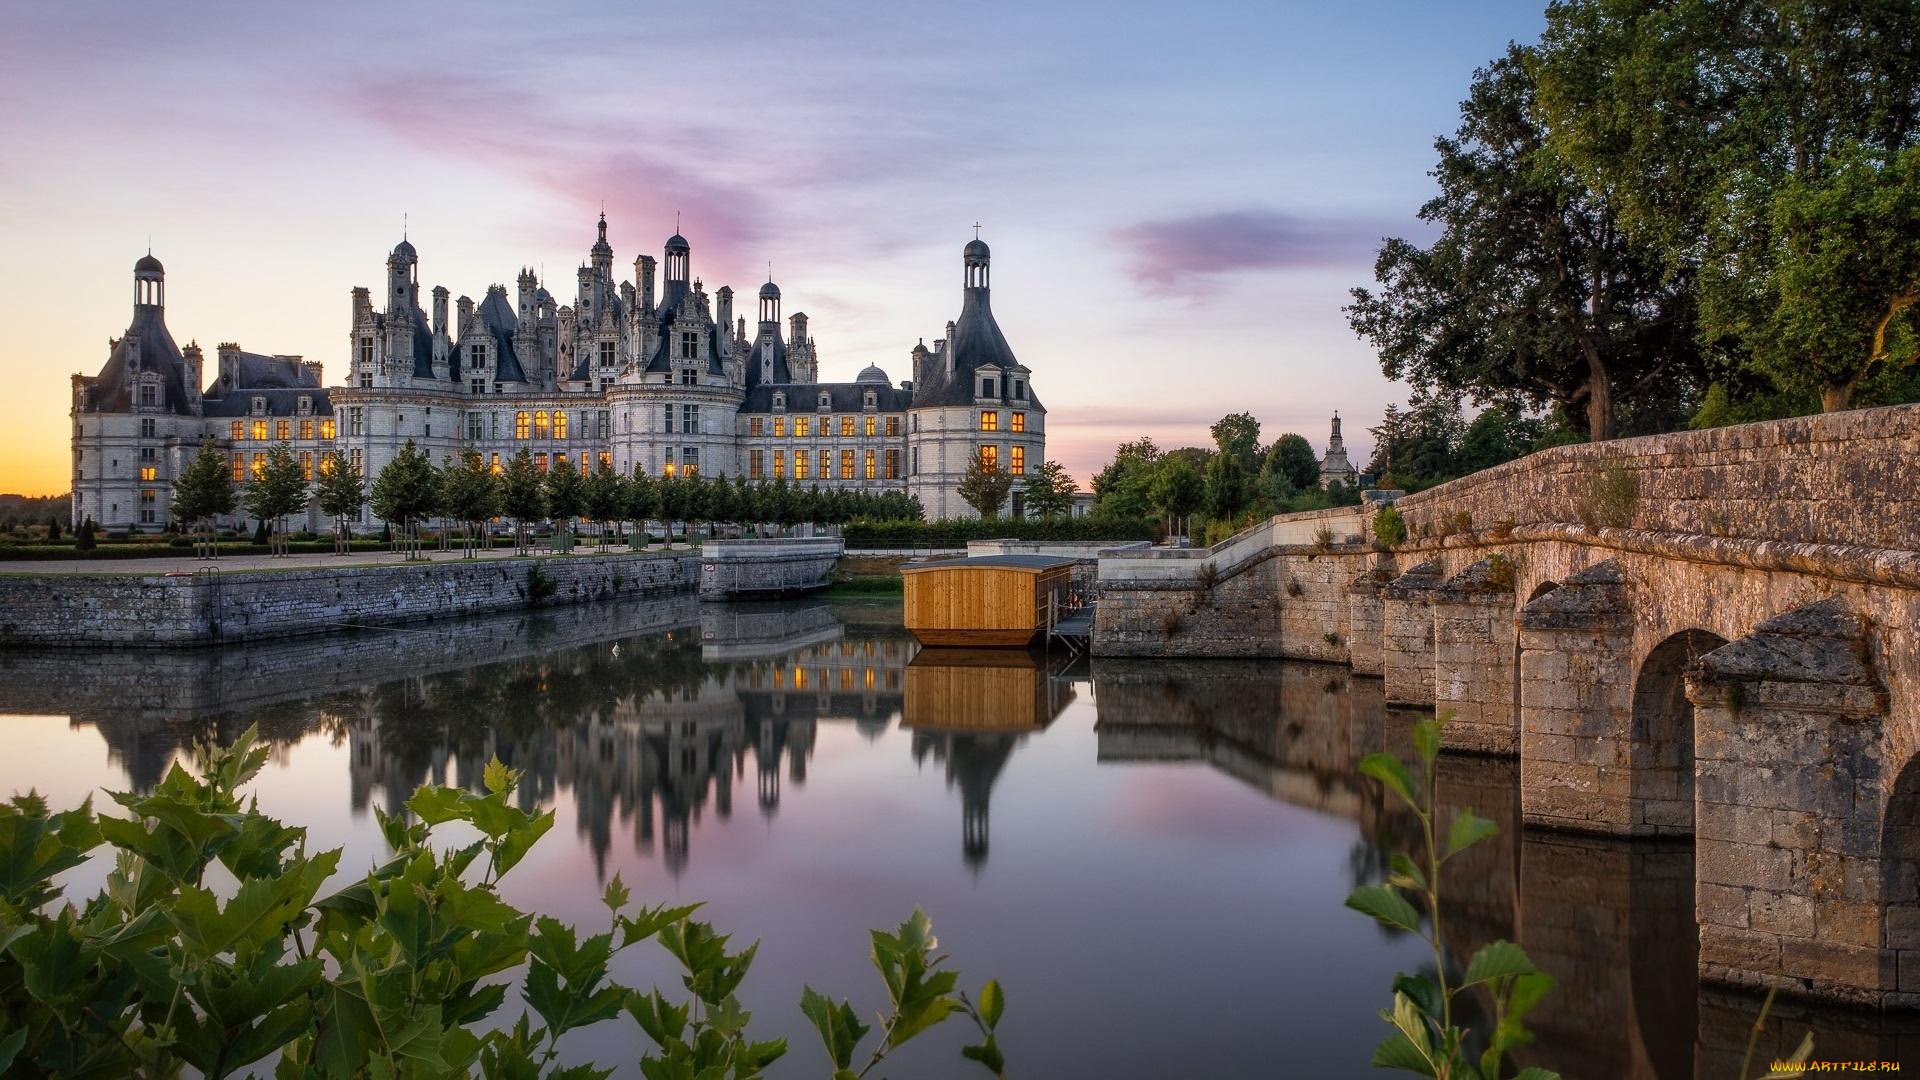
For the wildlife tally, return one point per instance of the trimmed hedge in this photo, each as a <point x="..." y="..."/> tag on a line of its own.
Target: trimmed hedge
<point x="863" y="533"/>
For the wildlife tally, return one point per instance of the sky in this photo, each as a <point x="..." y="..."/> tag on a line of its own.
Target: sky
<point x="1178" y="196"/>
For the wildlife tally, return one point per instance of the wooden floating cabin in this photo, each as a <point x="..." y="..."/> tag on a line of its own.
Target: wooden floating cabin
<point x="1004" y="690"/>
<point x="988" y="600"/>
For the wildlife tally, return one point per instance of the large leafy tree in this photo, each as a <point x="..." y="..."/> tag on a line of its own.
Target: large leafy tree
<point x="566" y="498"/>
<point x="1227" y="489"/>
<point x="604" y="499"/>
<point x="1417" y="447"/>
<point x="340" y="494"/>
<point x="1532" y="292"/>
<point x="1291" y="459"/>
<point x="1050" y="491"/>
<point x="407" y="490"/>
<point x="202" y="492"/>
<point x="522" y="496"/>
<point x="1120" y="489"/>
<point x="279" y="489"/>
<point x="985" y="487"/>
<point x="1238" y="434"/>
<point x="1177" y="490"/>
<point x="1760" y="147"/>
<point x="470" y="494"/>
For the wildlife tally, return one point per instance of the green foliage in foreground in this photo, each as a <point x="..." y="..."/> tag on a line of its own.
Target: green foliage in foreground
<point x="212" y="947"/>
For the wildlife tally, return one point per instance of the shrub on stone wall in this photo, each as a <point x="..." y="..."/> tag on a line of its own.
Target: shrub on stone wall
<point x="870" y="533"/>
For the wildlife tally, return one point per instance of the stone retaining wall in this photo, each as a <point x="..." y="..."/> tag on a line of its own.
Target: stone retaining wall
<point x="157" y="611"/>
<point x="767" y="567"/>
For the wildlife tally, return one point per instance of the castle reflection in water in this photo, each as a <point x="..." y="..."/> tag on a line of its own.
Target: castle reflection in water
<point x="647" y="717"/>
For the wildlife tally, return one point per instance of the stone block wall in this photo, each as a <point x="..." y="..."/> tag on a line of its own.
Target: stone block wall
<point x="1312" y="597"/>
<point x="1406" y="639"/>
<point x="767" y="567"/>
<point x="1474" y="659"/>
<point x="1836" y="477"/>
<point x="158" y="611"/>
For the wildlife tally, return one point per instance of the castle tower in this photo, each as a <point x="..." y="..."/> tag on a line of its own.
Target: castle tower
<point x="603" y="252"/>
<point x="1335" y="468"/>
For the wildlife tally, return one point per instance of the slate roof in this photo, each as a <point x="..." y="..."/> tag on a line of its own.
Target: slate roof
<point x="158" y="353"/>
<point x="804" y="398"/>
<point x="976" y="343"/>
<point x="281" y="401"/>
<point x="258" y="371"/>
<point x="497" y="316"/>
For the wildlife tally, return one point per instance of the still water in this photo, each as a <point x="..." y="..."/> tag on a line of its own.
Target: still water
<point x="1150" y="856"/>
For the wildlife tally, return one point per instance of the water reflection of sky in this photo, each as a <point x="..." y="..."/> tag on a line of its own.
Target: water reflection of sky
<point x="1151" y="857"/>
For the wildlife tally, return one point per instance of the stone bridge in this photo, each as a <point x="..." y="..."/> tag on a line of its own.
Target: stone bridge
<point x="1707" y="634"/>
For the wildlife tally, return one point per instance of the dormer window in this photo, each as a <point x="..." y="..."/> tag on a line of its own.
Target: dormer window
<point x="689" y="344"/>
<point x="147" y="396"/>
<point x="305" y="405"/>
<point x="989" y="386"/>
<point x="689" y="377"/>
<point x="779" y="401"/>
<point x="826" y="401"/>
<point x="259" y="405"/>
<point x="869" y="399"/>
<point x="1020" y="389"/>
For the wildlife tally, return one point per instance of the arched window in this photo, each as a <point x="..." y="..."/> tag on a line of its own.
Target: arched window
<point x="540" y="424"/>
<point x="520" y="424"/>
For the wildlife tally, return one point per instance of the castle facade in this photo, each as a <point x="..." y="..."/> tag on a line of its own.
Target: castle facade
<point x="671" y="381"/>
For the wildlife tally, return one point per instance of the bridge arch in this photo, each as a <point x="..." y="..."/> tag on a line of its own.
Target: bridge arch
<point x="1662" y="734"/>
<point x="1900" y="866"/>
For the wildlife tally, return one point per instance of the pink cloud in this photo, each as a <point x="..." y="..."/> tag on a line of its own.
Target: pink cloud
<point x="1175" y="253"/>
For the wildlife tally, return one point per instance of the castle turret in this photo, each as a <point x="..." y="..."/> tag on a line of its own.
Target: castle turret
<point x="149" y="282"/>
<point x="603" y="252"/>
<point x="439" y="310"/>
<point x="723" y="307"/>
<point x="643" y="275"/>
<point x="527" y="284"/>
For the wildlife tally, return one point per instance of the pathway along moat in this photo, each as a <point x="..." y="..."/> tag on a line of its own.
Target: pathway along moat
<point x="1150" y="856"/>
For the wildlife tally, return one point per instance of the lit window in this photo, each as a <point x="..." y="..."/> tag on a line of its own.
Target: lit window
<point x="540" y="427"/>
<point x="606" y="458"/>
<point x="989" y="420"/>
<point x="1017" y="421"/>
<point x="893" y="426"/>
<point x="756" y="464"/>
<point x="1017" y="460"/>
<point x="306" y="463"/>
<point x="826" y="464"/>
<point x="559" y="424"/>
<point x="495" y="465"/>
<point x="801" y="426"/>
<point x="846" y="426"/>
<point x="326" y="465"/>
<point x="540" y="462"/>
<point x="306" y="429"/>
<point x="239" y="464"/>
<point x="666" y="469"/>
<point x="779" y="425"/>
<point x="326" y="429"/>
<point x="893" y="465"/>
<point x="260" y="430"/>
<point x="871" y="421"/>
<point x="237" y="431"/>
<point x="779" y="463"/>
<point x="989" y="457"/>
<point x="520" y="425"/>
<point x="846" y="464"/>
<point x="870" y="464"/>
<point x="259" y="466"/>
<point x="586" y="465"/>
<point x="283" y="430"/>
<point x="755" y="426"/>
<point x="692" y="462"/>
<point x="799" y="464"/>
<point x="147" y="472"/>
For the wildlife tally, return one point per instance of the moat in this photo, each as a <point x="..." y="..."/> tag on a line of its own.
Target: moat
<point x="1151" y="856"/>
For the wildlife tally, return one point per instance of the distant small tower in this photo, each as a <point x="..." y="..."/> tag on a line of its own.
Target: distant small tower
<point x="149" y="282"/>
<point x="1335" y="467"/>
<point x="603" y="252"/>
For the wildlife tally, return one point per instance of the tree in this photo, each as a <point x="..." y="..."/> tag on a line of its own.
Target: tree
<point x="406" y="490"/>
<point x="603" y="499"/>
<point x="985" y="487"/>
<point x="522" y="497"/>
<point x="1227" y="490"/>
<point x="278" y="489"/>
<point x="1415" y="448"/>
<point x="470" y="494"/>
<point x="1757" y="148"/>
<point x="53" y="528"/>
<point x="1532" y="292"/>
<point x="1050" y="491"/>
<point x="1238" y="434"/>
<point x="341" y="493"/>
<point x="1177" y="490"/>
<point x="1120" y="489"/>
<point x="566" y="500"/>
<point x="1497" y="435"/>
<point x="642" y="501"/>
<point x="746" y="502"/>
<point x="201" y="493"/>
<point x="1291" y="458"/>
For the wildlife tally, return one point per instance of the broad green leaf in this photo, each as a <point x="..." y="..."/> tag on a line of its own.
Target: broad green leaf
<point x="992" y="1003"/>
<point x="1406" y="872"/>
<point x="1396" y="1052"/>
<point x="10" y="1046"/>
<point x="1426" y="736"/>
<point x="1468" y="829"/>
<point x="1390" y="771"/>
<point x="1385" y="903"/>
<point x="434" y="804"/>
<point x="497" y="777"/>
<point x="987" y="1053"/>
<point x="617" y="894"/>
<point x="1497" y="960"/>
<point x="1423" y="991"/>
<point x="840" y="1029"/>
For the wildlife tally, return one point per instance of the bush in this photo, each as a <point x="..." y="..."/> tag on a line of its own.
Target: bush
<point x="1389" y="528"/>
<point x="397" y="974"/>
<point x="865" y="532"/>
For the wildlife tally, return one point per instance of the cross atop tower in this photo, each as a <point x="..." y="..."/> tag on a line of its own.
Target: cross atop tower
<point x="976" y="230"/>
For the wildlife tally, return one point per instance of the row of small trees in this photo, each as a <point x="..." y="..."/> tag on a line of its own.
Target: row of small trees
<point x="469" y="493"/>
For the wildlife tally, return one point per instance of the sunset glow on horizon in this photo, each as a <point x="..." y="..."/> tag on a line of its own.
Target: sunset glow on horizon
<point x="1178" y="199"/>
